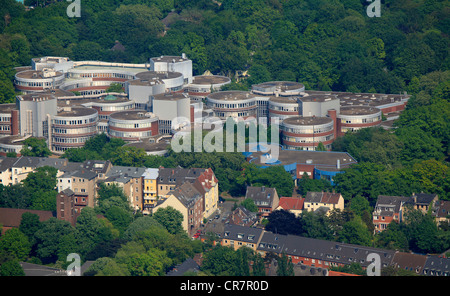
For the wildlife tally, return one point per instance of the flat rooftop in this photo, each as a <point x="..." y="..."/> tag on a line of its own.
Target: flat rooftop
<point x="37" y="74"/>
<point x="363" y="99"/>
<point x="6" y="108"/>
<point x="231" y="95"/>
<point x="150" y="147"/>
<point x="44" y="96"/>
<point x="78" y="101"/>
<point x="153" y="75"/>
<point x="284" y="100"/>
<point x="169" y="59"/>
<point x="132" y="115"/>
<point x="76" y="111"/>
<point x="103" y="68"/>
<point x="13" y="140"/>
<point x="171" y="96"/>
<point x="307" y="120"/>
<point x="210" y="79"/>
<point x="318" y="98"/>
<point x="358" y="110"/>
<point x="323" y="159"/>
<point x="280" y="85"/>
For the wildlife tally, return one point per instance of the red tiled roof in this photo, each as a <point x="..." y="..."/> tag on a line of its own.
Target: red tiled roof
<point x="13" y="217"/>
<point x="291" y="203"/>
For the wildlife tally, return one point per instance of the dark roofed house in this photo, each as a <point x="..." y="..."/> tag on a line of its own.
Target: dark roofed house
<point x="441" y="210"/>
<point x="388" y="209"/>
<point x="422" y="201"/>
<point x="409" y="261"/>
<point x="237" y="236"/>
<point x="436" y="266"/>
<point x="11" y="218"/>
<point x="392" y="208"/>
<point x="320" y="253"/>
<point x="188" y="265"/>
<point x="266" y="199"/>
<point x="242" y="216"/>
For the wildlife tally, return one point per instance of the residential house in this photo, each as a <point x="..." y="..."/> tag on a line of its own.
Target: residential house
<point x="441" y="211"/>
<point x="237" y="236"/>
<point x="14" y="170"/>
<point x="208" y="185"/>
<point x="241" y="216"/>
<point x="320" y="253"/>
<point x="423" y="201"/>
<point x="323" y="201"/>
<point x="130" y="179"/>
<point x="266" y="199"/>
<point x="189" y="202"/>
<point x="169" y="178"/>
<point x="204" y="181"/>
<point x="295" y="205"/>
<point x="83" y="184"/>
<point x="388" y="209"/>
<point x="393" y="208"/>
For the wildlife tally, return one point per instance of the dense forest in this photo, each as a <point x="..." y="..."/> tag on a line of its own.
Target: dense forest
<point x="321" y="43"/>
<point x="325" y="44"/>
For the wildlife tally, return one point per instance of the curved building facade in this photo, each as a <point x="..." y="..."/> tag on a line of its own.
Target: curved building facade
<point x="203" y="85"/>
<point x="30" y="81"/>
<point x="282" y="88"/>
<point x="305" y="133"/>
<point x="235" y="104"/>
<point x="133" y="125"/>
<point x="283" y="107"/>
<point x="353" y="118"/>
<point x="72" y="127"/>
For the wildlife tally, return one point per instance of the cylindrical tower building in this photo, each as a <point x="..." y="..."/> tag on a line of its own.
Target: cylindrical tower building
<point x="305" y="133"/>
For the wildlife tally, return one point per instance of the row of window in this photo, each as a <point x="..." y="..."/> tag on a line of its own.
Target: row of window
<point x="232" y="106"/>
<point x="74" y="122"/>
<point x="144" y="134"/>
<point x="130" y="125"/>
<point x="70" y="140"/>
<point x="362" y="120"/>
<point x="307" y="129"/>
<point x="283" y="108"/>
<point x="307" y="139"/>
<point x="75" y="131"/>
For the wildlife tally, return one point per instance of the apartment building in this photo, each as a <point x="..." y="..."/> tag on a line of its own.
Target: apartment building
<point x="189" y="202"/>
<point x="150" y="182"/>
<point x="130" y="179"/>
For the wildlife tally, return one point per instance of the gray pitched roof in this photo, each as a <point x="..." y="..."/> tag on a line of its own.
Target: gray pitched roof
<point x="187" y="194"/>
<point x="436" y="266"/>
<point x="262" y="196"/>
<point x="321" y="249"/>
<point x="178" y="175"/>
<point x="242" y="233"/>
<point x="188" y="265"/>
<point x="423" y="198"/>
<point x="132" y="172"/>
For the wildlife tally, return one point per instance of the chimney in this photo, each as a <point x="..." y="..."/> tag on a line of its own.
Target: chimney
<point x="263" y="189"/>
<point x="338" y="164"/>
